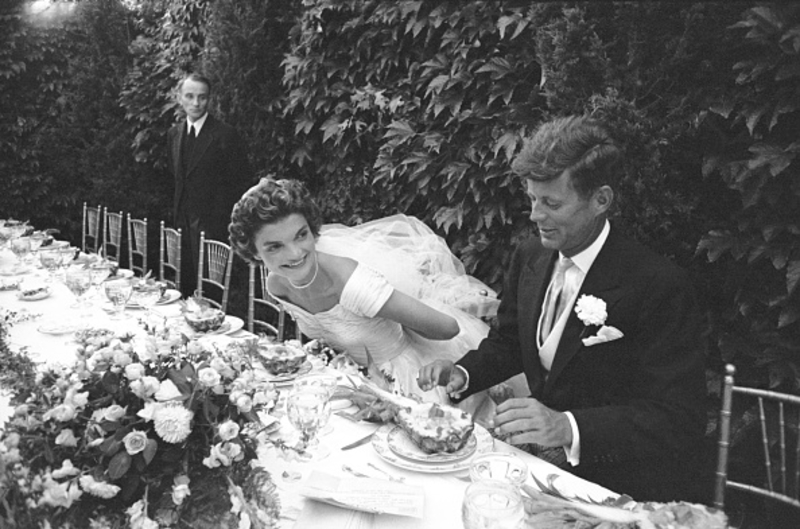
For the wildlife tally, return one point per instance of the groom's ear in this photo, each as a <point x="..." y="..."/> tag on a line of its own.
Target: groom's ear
<point x="603" y="198"/>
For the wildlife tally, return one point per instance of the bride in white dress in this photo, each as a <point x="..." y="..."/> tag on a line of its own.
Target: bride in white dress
<point x="390" y="287"/>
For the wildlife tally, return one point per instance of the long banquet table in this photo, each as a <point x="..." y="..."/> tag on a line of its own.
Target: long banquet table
<point x="443" y="491"/>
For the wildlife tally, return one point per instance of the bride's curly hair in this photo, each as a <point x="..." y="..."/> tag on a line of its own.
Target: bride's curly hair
<point x="268" y="202"/>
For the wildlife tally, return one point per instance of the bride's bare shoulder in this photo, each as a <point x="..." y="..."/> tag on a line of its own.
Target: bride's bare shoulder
<point x="339" y="267"/>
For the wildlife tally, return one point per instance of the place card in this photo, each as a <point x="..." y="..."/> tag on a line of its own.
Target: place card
<point x="371" y="495"/>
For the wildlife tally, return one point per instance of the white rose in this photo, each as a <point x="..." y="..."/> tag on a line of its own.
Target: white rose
<point x="134" y="371"/>
<point x="209" y="377"/>
<point x="228" y="430"/>
<point x="135" y="442"/>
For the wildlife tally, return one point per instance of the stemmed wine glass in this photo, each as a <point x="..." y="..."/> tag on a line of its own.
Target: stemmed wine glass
<point x="308" y="409"/>
<point x="100" y="270"/>
<point x="21" y="246"/>
<point x="37" y="238"/>
<point x="325" y="381"/>
<point x="79" y="280"/>
<point x="118" y="291"/>
<point x="51" y="261"/>
<point x="148" y="292"/>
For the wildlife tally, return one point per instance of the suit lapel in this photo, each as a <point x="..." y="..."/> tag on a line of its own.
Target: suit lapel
<point x="531" y="296"/>
<point x="602" y="281"/>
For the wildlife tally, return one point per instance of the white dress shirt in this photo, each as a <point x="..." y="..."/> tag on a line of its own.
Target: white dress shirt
<point x="198" y="125"/>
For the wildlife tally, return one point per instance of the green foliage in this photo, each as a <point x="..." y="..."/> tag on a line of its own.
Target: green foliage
<point x="756" y="243"/>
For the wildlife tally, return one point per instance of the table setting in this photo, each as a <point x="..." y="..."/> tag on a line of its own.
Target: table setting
<point x="153" y="411"/>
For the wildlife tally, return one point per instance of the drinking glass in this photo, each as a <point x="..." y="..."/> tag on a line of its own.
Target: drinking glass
<point x="37" y="239"/>
<point x="147" y="294"/>
<point x="118" y="291"/>
<point x="325" y="381"/>
<point x="51" y="261"/>
<point x="21" y="246"/>
<point x="100" y="270"/>
<point x="499" y="466"/>
<point x="79" y="280"/>
<point x="491" y="504"/>
<point x="308" y="409"/>
<point x="5" y="234"/>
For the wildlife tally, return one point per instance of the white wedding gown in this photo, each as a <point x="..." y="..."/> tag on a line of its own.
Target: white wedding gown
<point x="397" y="252"/>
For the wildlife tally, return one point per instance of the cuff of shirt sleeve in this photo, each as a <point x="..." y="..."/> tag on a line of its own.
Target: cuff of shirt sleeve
<point x="457" y="394"/>
<point x="574" y="451"/>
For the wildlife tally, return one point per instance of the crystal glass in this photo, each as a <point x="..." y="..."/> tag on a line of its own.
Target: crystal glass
<point x="37" y="239"/>
<point x="499" y="466"/>
<point x="79" y="280"/>
<point x="325" y="381"/>
<point x="118" y="291"/>
<point x="5" y="234"/>
<point x="146" y="293"/>
<point x="100" y="270"/>
<point x="51" y="260"/>
<point x="21" y="246"/>
<point x="308" y="409"/>
<point x="491" y="504"/>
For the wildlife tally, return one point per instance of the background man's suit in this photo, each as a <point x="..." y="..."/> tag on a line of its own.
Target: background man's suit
<point x="639" y="400"/>
<point x="208" y="182"/>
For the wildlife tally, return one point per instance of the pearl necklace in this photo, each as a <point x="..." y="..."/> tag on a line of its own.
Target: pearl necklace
<point x="306" y="285"/>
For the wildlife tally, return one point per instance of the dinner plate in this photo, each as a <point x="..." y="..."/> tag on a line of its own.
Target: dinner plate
<point x="169" y="296"/>
<point x="9" y="284"/>
<point x="380" y="443"/>
<point x="229" y="326"/>
<point x="401" y="444"/>
<point x="14" y="270"/>
<point x="58" y="327"/>
<point x="41" y="294"/>
<point x="289" y="377"/>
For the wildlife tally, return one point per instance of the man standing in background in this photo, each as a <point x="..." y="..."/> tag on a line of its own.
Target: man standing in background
<point x="209" y="162"/>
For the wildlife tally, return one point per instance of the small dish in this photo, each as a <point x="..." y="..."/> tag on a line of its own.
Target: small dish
<point x="33" y="293"/>
<point x="9" y="284"/>
<point x="170" y="296"/>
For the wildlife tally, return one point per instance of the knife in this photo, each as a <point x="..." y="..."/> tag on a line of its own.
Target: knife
<point x="363" y="440"/>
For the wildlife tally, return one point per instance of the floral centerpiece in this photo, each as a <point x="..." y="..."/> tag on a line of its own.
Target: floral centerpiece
<point x="148" y="429"/>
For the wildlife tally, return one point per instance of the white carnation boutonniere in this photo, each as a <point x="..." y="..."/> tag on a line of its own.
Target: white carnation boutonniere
<point x="592" y="312"/>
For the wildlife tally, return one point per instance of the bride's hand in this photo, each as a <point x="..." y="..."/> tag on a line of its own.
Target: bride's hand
<point x="441" y="373"/>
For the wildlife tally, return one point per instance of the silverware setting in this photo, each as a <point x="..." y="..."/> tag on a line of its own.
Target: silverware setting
<point x="358" y="474"/>
<point x="356" y="444"/>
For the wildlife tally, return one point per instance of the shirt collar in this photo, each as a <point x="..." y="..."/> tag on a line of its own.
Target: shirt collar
<point x="198" y="125"/>
<point x="584" y="259"/>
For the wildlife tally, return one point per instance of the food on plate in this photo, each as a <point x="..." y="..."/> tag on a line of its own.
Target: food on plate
<point x="549" y="507"/>
<point x="434" y="428"/>
<point x="200" y="316"/>
<point x="282" y="358"/>
<point x="9" y="284"/>
<point x="34" y="292"/>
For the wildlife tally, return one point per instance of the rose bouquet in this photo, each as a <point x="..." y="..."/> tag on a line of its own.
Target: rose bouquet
<point x="145" y="430"/>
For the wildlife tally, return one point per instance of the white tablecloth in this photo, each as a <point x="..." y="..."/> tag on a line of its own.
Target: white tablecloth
<point x="443" y="492"/>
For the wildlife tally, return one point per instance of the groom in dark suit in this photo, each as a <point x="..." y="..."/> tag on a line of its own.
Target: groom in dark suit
<point x="607" y="333"/>
<point x="209" y="162"/>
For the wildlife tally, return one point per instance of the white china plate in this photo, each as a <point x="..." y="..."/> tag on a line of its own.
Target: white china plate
<point x="14" y="270"/>
<point x="35" y="297"/>
<point x="169" y="296"/>
<point x="380" y="442"/>
<point x="9" y="284"/>
<point x="57" y="327"/>
<point x="401" y="444"/>
<point x="229" y="326"/>
<point x="288" y="377"/>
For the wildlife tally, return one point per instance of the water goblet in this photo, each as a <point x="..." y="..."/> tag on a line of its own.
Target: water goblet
<point x="118" y="291"/>
<point x="51" y="261"/>
<point x="147" y="293"/>
<point x="309" y="409"/>
<point x="499" y="466"/>
<point x="325" y="381"/>
<point x="100" y="270"/>
<point x="5" y="234"/>
<point x="37" y="238"/>
<point x="78" y="280"/>
<point x="491" y="504"/>
<point x="21" y="246"/>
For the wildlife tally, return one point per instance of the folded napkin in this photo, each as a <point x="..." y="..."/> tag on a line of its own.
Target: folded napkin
<point x="365" y="494"/>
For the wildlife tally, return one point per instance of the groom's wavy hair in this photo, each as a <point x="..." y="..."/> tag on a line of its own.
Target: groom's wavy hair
<point x="577" y="144"/>
<point x="268" y="202"/>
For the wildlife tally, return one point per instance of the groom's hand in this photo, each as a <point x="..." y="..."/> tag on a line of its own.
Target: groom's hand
<point x="530" y="421"/>
<point x="441" y="373"/>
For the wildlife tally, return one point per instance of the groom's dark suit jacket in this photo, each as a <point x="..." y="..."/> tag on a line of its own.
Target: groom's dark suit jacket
<point x="639" y="400"/>
<point x="207" y="185"/>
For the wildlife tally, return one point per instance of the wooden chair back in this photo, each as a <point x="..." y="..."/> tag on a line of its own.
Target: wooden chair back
<point x="169" y="256"/>
<point x="264" y="314"/>
<point x="214" y="271"/>
<point x="779" y="422"/>
<point x="112" y="235"/>
<point x="90" y="233"/>
<point x="137" y="245"/>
